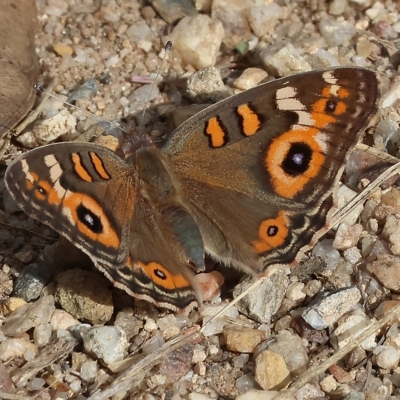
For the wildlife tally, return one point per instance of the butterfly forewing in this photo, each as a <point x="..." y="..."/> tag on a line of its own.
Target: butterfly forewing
<point x="269" y="159"/>
<point x="82" y="191"/>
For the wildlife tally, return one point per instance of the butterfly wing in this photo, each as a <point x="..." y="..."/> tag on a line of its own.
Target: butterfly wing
<point x="258" y="169"/>
<point x="90" y="195"/>
<point x="81" y="191"/>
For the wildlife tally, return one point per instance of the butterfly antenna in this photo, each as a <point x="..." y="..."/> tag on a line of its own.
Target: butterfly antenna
<point x="167" y="48"/>
<point x="41" y="89"/>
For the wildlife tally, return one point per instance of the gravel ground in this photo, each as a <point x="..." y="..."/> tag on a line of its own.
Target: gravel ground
<point x="66" y="333"/>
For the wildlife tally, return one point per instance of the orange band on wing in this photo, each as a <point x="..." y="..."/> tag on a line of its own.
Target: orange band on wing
<point x="251" y="121"/>
<point x="99" y="166"/>
<point x="80" y="169"/>
<point x="215" y="131"/>
<point x="162" y="277"/>
<point x="272" y="233"/>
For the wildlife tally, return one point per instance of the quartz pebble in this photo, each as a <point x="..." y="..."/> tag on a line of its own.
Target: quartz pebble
<point x="48" y="130"/>
<point x="349" y="327"/>
<point x="387" y="270"/>
<point x="291" y="348"/>
<point x="263" y="18"/>
<point x="152" y="344"/>
<point x="260" y="395"/>
<point x="387" y="357"/>
<point x="264" y="301"/>
<point x="249" y="78"/>
<point x="391" y="232"/>
<point x="12" y="348"/>
<point x="336" y="32"/>
<point x="29" y="316"/>
<point x="199" y="396"/>
<point x="206" y="85"/>
<point x="330" y="308"/>
<point x="347" y="236"/>
<point x="295" y="292"/>
<point x="285" y="60"/>
<point x="198" y="39"/>
<point x="327" y="253"/>
<point x="309" y="391"/>
<point x="107" y="343"/>
<point x="217" y="325"/>
<point x="210" y="285"/>
<point x="233" y="16"/>
<point x="246" y="383"/>
<point x="240" y="360"/>
<point x="328" y="384"/>
<point x="129" y="323"/>
<point x="62" y="320"/>
<point x="392" y="95"/>
<point x="337" y="7"/>
<point x="42" y="334"/>
<point x="352" y="255"/>
<point x="345" y="195"/>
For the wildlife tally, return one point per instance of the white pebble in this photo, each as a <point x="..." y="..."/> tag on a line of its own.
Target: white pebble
<point x="387" y="357"/>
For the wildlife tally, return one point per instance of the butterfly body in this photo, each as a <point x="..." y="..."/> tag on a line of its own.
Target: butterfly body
<point x="248" y="180"/>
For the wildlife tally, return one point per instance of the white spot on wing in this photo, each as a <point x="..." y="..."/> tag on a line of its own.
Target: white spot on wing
<point x="54" y="167"/>
<point x="55" y="172"/>
<point x="66" y="211"/>
<point x="26" y="171"/>
<point x="357" y="112"/>
<point x="61" y="192"/>
<point x="286" y="92"/>
<point x="50" y="160"/>
<point x="305" y="118"/>
<point x="329" y="78"/>
<point x="299" y="128"/>
<point x="290" y="105"/>
<point x="334" y="90"/>
<point x="322" y="140"/>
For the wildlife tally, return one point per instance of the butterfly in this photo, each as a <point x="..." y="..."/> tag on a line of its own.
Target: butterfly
<point x="248" y="181"/>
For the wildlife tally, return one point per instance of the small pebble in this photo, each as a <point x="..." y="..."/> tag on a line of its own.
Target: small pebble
<point x="336" y="32"/>
<point x="29" y="316"/>
<point x="326" y="311"/>
<point x="290" y="346"/>
<point x="250" y="78"/>
<point x="106" y="342"/>
<point x="349" y="327"/>
<point x="271" y="372"/>
<point x="12" y="348"/>
<point x="62" y="49"/>
<point x="386" y="269"/>
<point x="85" y="295"/>
<point x="387" y="357"/>
<point x="243" y="340"/>
<point x="198" y="39"/>
<point x="262" y="303"/>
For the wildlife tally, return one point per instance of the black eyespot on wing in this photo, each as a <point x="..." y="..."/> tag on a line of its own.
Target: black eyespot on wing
<point x="297" y="160"/>
<point x="89" y="219"/>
